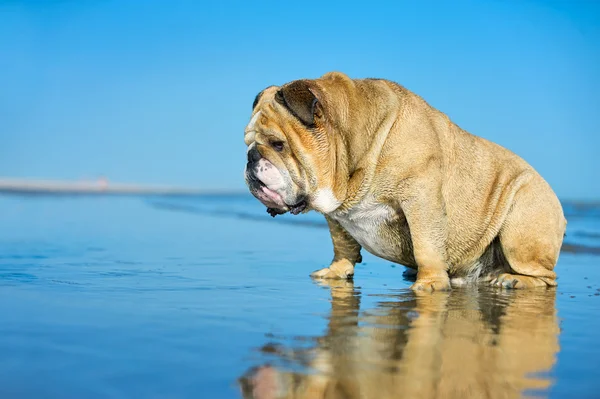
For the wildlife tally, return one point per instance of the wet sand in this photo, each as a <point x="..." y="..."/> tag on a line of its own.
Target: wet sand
<point x="209" y="297"/>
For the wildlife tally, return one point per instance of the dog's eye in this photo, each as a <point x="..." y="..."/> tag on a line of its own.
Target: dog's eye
<point x="277" y="145"/>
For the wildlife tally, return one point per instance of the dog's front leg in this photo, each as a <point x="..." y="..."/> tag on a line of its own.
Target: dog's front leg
<point x="346" y="253"/>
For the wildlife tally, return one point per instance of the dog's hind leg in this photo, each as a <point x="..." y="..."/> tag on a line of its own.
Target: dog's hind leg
<point x="531" y="237"/>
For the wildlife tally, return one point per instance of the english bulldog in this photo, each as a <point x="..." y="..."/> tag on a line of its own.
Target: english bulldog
<point x="395" y="176"/>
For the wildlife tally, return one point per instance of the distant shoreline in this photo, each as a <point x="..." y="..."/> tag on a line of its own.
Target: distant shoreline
<point x="98" y="187"/>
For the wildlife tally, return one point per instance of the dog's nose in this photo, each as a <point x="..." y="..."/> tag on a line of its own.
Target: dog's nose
<point x="254" y="155"/>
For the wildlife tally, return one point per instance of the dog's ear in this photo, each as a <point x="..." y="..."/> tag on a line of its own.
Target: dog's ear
<point x="298" y="98"/>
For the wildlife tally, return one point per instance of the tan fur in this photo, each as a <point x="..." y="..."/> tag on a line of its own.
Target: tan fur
<point x="398" y="177"/>
<point x="464" y="344"/>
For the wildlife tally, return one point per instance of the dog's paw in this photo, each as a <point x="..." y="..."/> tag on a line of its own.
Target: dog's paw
<point x="337" y="270"/>
<point x="431" y="284"/>
<point x="516" y="281"/>
<point x="328" y="273"/>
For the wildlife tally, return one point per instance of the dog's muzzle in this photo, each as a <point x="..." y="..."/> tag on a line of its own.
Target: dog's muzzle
<point x="266" y="183"/>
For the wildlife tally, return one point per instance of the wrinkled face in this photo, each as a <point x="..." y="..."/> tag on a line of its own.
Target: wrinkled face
<point x="288" y="150"/>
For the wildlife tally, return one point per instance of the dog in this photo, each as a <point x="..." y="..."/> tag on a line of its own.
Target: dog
<point x="395" y="176"/>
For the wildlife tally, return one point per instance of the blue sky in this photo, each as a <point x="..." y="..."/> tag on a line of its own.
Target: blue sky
<point x="160" y="91"/>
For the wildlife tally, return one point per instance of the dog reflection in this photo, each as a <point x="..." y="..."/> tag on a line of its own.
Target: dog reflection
<point x="459" y="344"/>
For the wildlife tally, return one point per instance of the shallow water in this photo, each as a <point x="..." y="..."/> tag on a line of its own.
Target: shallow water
<point x="210" y="298"/>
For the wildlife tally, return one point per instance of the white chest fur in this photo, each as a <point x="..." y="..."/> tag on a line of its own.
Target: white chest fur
<point x="365" y="222"/>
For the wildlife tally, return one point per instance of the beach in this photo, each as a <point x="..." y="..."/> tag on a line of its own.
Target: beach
<point x="207" y="296"/>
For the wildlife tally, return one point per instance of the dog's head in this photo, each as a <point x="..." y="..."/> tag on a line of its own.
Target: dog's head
<point x="292" y="145"/>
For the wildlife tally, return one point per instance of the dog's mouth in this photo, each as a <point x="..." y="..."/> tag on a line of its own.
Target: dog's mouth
<point x="294" y="209"/>
<point x="272" y="195"/>
<point x="274" y="201"/>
